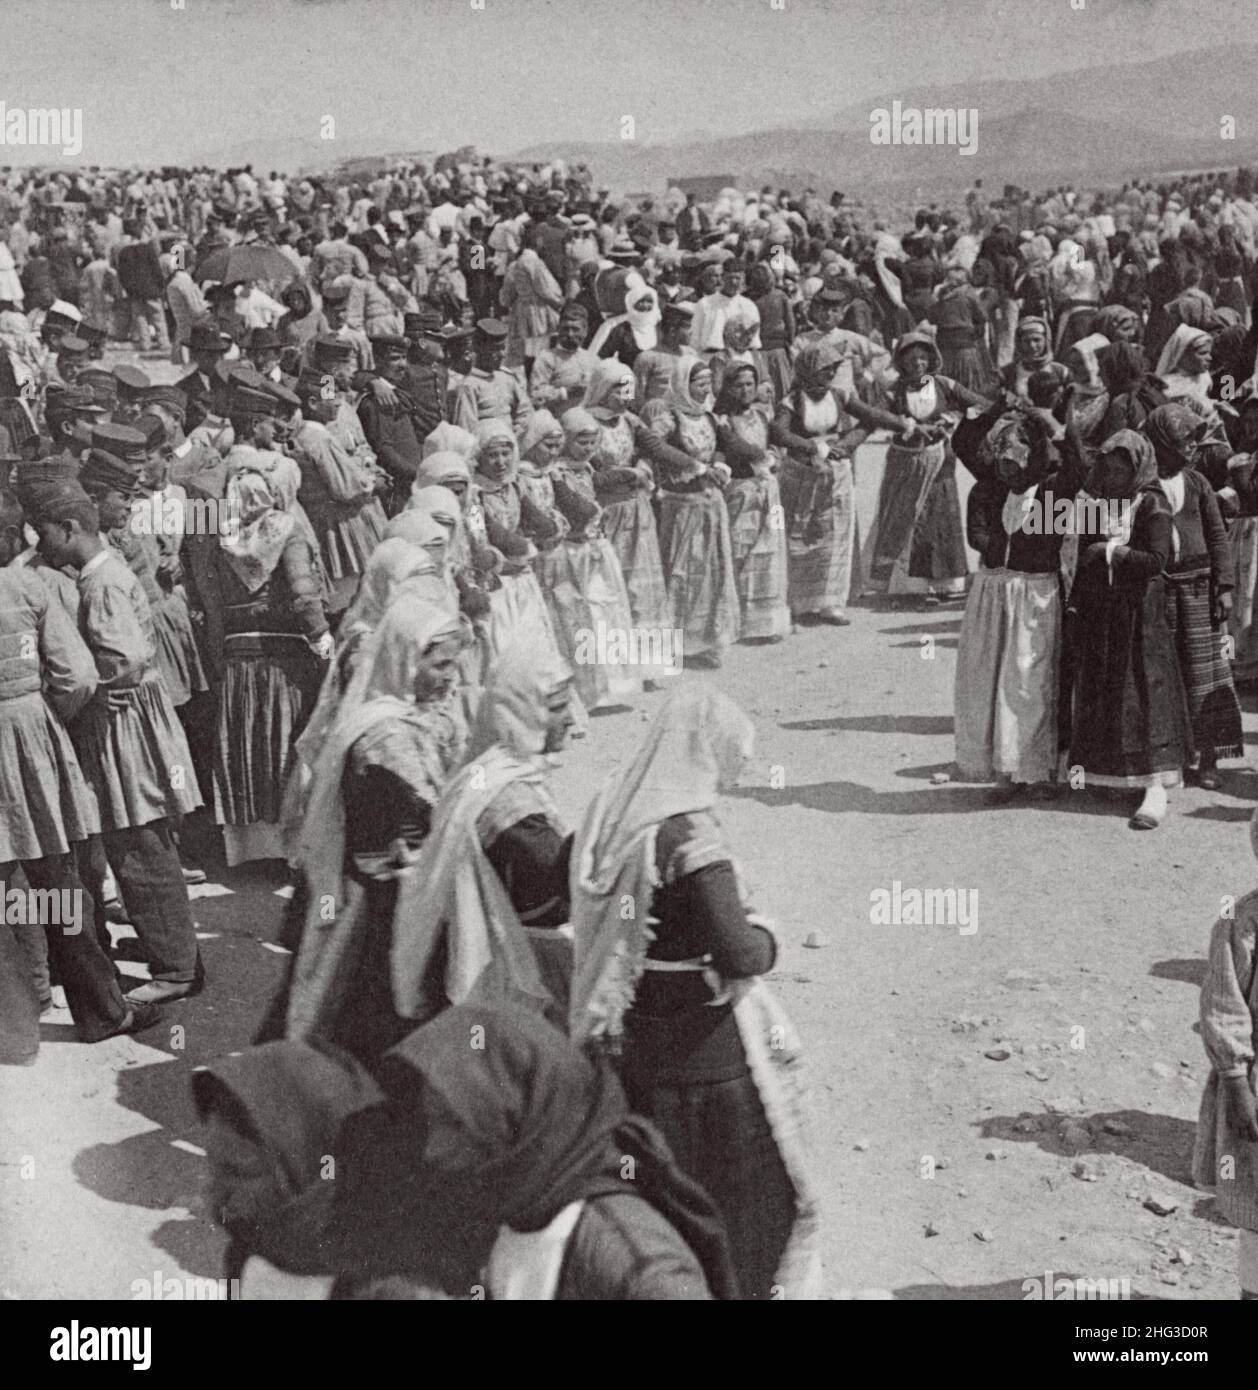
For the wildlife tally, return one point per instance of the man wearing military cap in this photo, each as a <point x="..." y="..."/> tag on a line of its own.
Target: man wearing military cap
<point x="336" y="309"/>
<point x="103" y="386"/>
<point x="427" y="380"/>
<point x="388" y="421"/>
<point x="489" y="391"/>
<point x="69" y="414"/>
<point x="132" y="384"/>
<point x="263" y="349"/>
<point x="72" y="358"/>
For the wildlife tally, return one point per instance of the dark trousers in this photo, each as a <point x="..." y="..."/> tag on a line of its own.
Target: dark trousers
<point x="150" y="878"/>
<point x="79" y="959"/>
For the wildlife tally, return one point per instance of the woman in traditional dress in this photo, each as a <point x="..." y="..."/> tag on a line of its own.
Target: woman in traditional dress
<point x="1032" y="350"/>
<point x="499" y="1168"/>
<point x="961" y="332"/>
<point x="1130" y="717"/>
<point x="821" y="425"/>
<point x="1238" y="502"/>
<point x="623" y="488"/>
<point x="1225" y="1156"/>
<point x="397" y="737"/>
<point x="918" y="546"/>
<point x="1134" y="392"/>
<point x="636" y="333"/>
<point x="499" y="518"/>
<point x="581" y="579"/>
<point x="740" y="334"/>
<point x="1008" y="657"/>
<point x="276" y="641"/>
<point x="1091" y="398"/>
<point x="479" y="913"/>
<point x="673" y="985"/>
<point x="693" y="519"/>
<point x="756" y="519"/>
<point x="1199" y="583"/>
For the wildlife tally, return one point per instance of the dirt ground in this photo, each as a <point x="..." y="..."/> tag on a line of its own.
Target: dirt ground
<point x="991" y="1105"/>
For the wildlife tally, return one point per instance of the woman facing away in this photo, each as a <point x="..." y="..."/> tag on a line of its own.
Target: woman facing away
<point x="397" y="737"/>
<point x="757" y="534"/>
<point x="581" y="577"/>
<point x="275" y="646"/>
<point x="918" y="546"/>
<point x="1199" y="582"/>
<point x="693" y="520"/>
<point x="481" y="913"/>
<point x="672" y="985"/>
<point x="511" y="1169"/>
<point x="1225" y="1156"/>
<point x="1130" y="724"/>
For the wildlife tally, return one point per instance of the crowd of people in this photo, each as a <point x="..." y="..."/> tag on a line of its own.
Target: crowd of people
<point x="335" y="589"/>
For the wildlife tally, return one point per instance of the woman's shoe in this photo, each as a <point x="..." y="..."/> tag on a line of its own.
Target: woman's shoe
<point x="834" y="617"/>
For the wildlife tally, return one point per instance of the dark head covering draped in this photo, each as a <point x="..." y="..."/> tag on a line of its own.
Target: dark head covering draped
<point x="493" y="1118"/>
<point x="1173" y="429"/>
<point x="1140" y="456"/>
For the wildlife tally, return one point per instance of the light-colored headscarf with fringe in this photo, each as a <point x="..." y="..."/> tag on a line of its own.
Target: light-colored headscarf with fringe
<point x="452" y="893"/>
<point x="695" y="749"/>
<point x="261" y="524"/>
<point x="383" y="687"/>
<point x="448" y="438"/>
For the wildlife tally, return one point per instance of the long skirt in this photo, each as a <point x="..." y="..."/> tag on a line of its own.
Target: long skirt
<point x="518" y="611"/>
<point x="1212" y="704"/>
<point x="1242" y="623"/>
<point x="758" y="540"/>
<point x="1130" y="725"/>
<point x="971" y="365"/>
<point x="135" y="756"/>
<point x="728" y="1094"/>
<point x="1219" y="1135"/>
<point x="270" y="685"/>
<point x="630" y="527"/>
<point x="699" y="570"/>
<point x="346" y="541"/>
<point x="819" y="517"/>
<point x="1005" y="701"/>
<point x="585" y="593"/>
<point x="918" y="543"/>
<point x="47" y="803"/>
<point x="178" y="656"/>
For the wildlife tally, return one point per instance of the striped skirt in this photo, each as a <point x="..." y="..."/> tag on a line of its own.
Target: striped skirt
<point x="918" y="542"/>
<point x="1008" y="659"/>
<point x="699" y="570"/>
<point x="1202" y="651"/>
<point x="819" y="519"/>
<point x="270" y="685"/>
<point x="583" y="588"/>
<point x="630" y="527"/>
<point x="758" y="541"/>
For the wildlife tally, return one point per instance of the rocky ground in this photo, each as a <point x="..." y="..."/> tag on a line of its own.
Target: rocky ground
<point x="992" y="1104"/>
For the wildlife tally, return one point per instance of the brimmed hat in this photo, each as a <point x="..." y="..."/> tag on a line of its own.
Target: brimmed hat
<point x="424" y="322"/>
<point x="387" y="344"/>
<point x="264" y="340"/>
<point x="204" y="337"/>
<point x="71" y="346"/>
<point x="152" y="428"/>
<point x="61" y="399"/>
<point x="62" y="314"/>
<point x="250" y="402"/>
<point x="104" y="471"/>
<point x="491" y="328"/>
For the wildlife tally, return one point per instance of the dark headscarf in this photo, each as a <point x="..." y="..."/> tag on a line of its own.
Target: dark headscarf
<point x="1173" y="429"/>
<point x="272" y="1116"/>
<point x="817" y="360"/>
<point x="493" y="1118"/>
<point x="1111" y="317"/>
<point x="725" y="404"/>
<point x="1140" y="456"/>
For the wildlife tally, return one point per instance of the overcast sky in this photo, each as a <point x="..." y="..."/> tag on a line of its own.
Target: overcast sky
<point x="156" y="83"/>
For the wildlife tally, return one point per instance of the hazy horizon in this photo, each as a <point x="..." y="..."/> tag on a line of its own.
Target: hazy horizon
<point x="157" y="84"/>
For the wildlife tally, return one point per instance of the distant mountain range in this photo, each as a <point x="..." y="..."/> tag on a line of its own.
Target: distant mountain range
<point x="1092" y="126"/>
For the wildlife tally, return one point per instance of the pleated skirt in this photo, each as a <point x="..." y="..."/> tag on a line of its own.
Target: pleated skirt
<point x="134" y="754"/>
<point x="346" y="543"/>
<point x="758" y="543"/>
<point x="819" y="521"/>
<point x="178" y="656"/>
<point x="46" y="800"/>
<point x="270" y="685"/>
<point x="699" y="570"/>
<point x="1008" y="662"/>
<point x="630" y="527"/>
<point x="583" y="588"/>
<point x="918" y="543"/>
